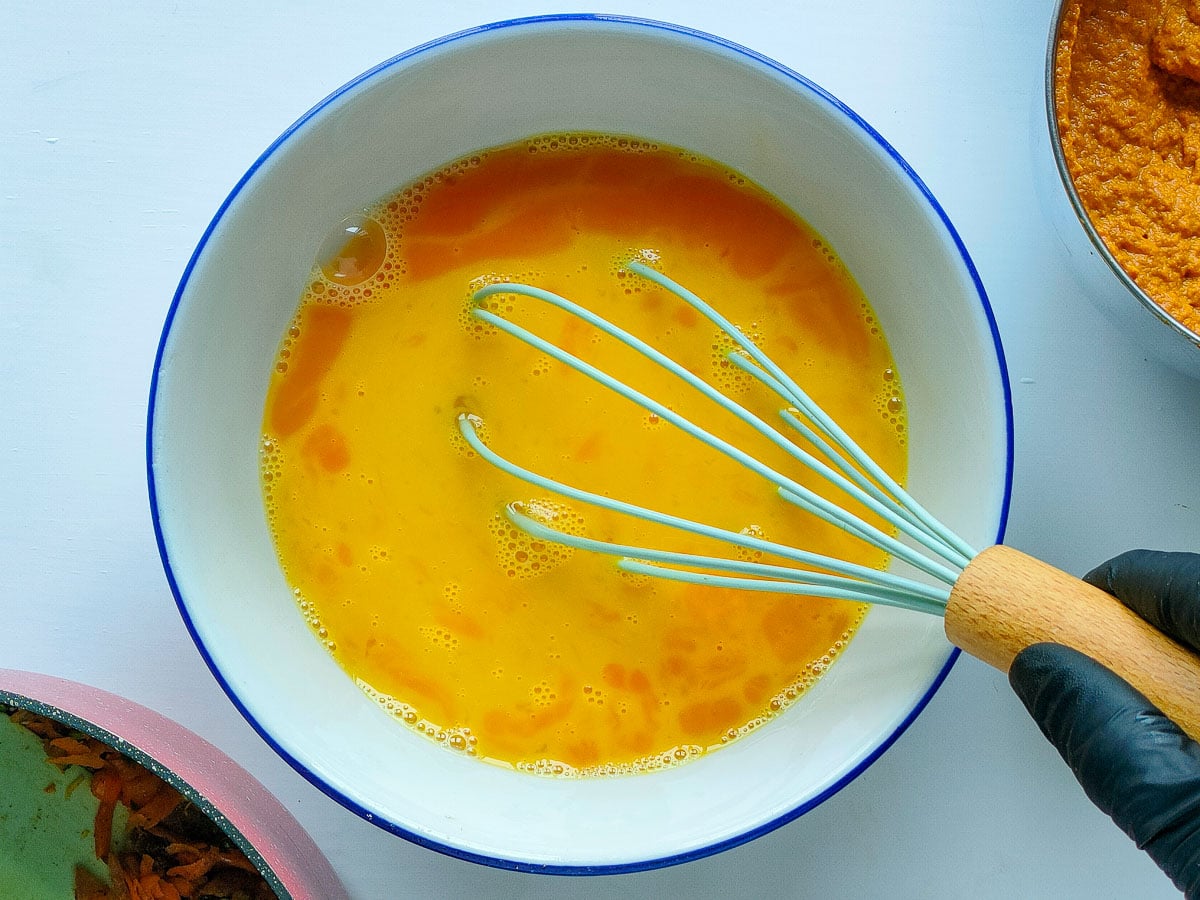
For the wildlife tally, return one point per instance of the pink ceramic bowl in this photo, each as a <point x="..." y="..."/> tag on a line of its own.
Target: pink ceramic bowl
<point x="233" y="799"/>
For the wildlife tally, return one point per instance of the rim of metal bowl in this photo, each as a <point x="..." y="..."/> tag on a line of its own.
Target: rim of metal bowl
<point x="1081" y="213"/>
<point x="801" y="83"/>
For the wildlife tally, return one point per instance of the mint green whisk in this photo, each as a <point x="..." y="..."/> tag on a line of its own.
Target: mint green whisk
<point x="995" y="602"/>
<point x="837" y="458"/>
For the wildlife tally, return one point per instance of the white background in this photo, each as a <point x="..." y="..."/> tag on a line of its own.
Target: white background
<point x="124" y="125"/>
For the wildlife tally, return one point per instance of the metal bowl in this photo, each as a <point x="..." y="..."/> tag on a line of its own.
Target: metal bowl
<point x="1145" y="322"/>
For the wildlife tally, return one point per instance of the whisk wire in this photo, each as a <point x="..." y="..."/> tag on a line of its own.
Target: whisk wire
<point x="778" y="587"/>
<point x="894" y="587"/>
<point x="848" y="484"/>
<point x="935" y="537"/>
<point x="788" y="487"/>
<point x="799" y="581"/>
<point x="844" y="465"/>
<point x="812" y="502"/>
<point x="793" y="393"/>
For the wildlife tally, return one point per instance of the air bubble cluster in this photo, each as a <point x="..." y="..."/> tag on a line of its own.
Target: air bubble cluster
<point x="522" y="556"/>
<point x="457" y="738"/>
<point x="542" y="695"/>
<point x="826" y="251"/>
<point x="889" y="404"/>
<point x="270" y="468"/>
<point x="790" y="694"/>
<point x="283" y="355"/>
<point x="638" y="580"/>
<point x="558" y="143"/>
<point x="459" y="443"/>
<point x="312" y="620"/>
<point x="504" y="305"/>
<point x="439" y="637"/>
<point x="726" y="376"/>
<point x="619" y="267"/>
<point x="667" y="759"/>
<point x="750" y="554"/>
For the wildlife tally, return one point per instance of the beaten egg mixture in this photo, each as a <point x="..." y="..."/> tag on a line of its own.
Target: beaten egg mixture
<point x="392" y="531"/>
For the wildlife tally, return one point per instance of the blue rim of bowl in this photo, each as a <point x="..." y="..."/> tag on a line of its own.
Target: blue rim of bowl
<point x="520" y="865"/>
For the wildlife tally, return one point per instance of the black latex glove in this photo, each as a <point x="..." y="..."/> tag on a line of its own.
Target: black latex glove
<point x="1134" y="763"/>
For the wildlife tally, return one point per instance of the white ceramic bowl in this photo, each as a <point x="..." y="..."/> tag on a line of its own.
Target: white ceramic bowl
<point x="490" y="86"/>
<point x="231" y="797"/>
<point x="1109" y="286"/>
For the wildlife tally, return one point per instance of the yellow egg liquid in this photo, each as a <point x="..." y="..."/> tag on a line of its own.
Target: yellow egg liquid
<point x="392" y="531"/>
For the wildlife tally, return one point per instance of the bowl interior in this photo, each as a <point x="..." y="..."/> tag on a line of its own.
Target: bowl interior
<point x="409" y="116"/>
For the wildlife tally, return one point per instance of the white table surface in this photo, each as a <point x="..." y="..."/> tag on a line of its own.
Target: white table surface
<point x="124" y="125"/>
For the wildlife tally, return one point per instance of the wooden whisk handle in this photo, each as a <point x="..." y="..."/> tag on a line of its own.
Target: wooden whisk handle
<point x="1005" y="601"/>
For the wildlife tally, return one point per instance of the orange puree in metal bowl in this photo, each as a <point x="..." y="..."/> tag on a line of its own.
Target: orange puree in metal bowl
<point x="1129" y="119"/>
<point x="392" y="532"/>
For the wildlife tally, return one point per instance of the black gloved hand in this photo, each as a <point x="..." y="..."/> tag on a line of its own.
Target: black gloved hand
<point x="1134" y="763"/>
